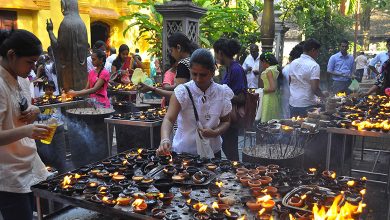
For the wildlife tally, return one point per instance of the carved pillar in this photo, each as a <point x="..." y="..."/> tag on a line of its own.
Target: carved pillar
<point x="179" y="16"/>
<point x="268" y="26"/>
<point x="280" y="31"/>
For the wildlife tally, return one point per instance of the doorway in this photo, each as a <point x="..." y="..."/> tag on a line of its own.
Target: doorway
<point x="99" y="31"/>
<point x="8" y="20"/>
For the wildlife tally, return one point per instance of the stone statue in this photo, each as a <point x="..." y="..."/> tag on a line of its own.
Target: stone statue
<point x="70" y="48"/>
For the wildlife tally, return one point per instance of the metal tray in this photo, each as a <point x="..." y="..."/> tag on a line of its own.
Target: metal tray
<point x="301" y="188"/>
<point x="158" y="173"/>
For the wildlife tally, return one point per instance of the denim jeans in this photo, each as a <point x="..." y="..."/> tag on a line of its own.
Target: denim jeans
<point x="359" y="75"/>
<point x="230" y="144"/>
<point x="341" y="86"/>
<point x="16" y="206"/>
<point x="299" y="111"/>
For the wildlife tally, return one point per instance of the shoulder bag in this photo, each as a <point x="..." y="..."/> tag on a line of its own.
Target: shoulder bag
<point x="203" y="147"/>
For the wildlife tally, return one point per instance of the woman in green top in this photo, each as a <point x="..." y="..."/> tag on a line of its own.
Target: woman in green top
<point x="269" y="82"/>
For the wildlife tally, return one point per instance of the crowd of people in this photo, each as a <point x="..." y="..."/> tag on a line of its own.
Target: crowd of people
<point x="201" y="106"/>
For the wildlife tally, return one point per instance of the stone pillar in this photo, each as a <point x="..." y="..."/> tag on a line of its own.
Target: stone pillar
<point x="179" y="16"/>
<point x="280" y="31"/>
<point x="268" y="26"/>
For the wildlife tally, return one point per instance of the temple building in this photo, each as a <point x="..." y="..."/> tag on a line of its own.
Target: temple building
<point x="101" y="18"/>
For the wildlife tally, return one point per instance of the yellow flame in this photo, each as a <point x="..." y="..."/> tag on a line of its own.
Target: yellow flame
<point x="345" y="212"/>
<point x="103" y="188"/>
<point x="203" y="208"/>
<point x="124" y="162"/>
<point x="105" y="198"/>
<point x="137" y="202"/>
<point x="312" y="170"/>
<point x="333" y="175"/>
<point x="140" y="150"/>
<point x="291" y="217"/>
<point x="67" y="180"/>
<point x="363" y="192"/>
<point x="161" y="195"/>
<point x="303" y="197"/>
<point x="235" y="163"/>
<point x="77" y="176"/>
<point x="219" y="184"/>
<point x="228" y="213"/>
<point x="351" y="183"/>
<point x="364" y="178"/>
<point x="265" y="198"/>
<point x="215" y="205"/>
<point x="261" y="211"/>
<point x="243" y="217"/>
<point x="341" y="94"/>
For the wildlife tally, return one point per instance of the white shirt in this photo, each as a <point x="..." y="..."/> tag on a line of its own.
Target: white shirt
<point x="361" y="62"/>
<point x="20" y="164"/>
<point x="89" y="64"/>
<point x="285" y="91"/>
<point x="302" y="71"/>
<point x="218" y="104"/>
<point x="251" y="77"/>
<point x="51" y="76"/>
<point x="109" y="61"/>
<point x="380" y="58"/>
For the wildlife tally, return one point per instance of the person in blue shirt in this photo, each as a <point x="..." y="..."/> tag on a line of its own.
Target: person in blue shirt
<point x="380" y="58"/>
<point x="234" y="77"/>
<point x="340" y="66"/>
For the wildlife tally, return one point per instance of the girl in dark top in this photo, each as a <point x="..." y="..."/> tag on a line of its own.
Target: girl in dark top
<point x="123" y="64"/>
<point x="180" y="48"/>
<point x="234" y="76"/>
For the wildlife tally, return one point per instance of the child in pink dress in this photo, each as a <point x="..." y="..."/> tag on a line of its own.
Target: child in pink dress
<point x="98" y="79"/>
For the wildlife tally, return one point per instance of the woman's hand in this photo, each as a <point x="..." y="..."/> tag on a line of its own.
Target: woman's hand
<point x="37" y="131"/>
<point x="30" y="115"/>
<point x="72" y="93"/>
<point x="145" y="88"/>
<point x="209" y="133"/>
<point x="165" y="147"/>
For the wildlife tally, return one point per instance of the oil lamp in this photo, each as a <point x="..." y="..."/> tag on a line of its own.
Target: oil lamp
<point x="312" y="172"/>
<point x="92" y="185"/>
<point x="166" y="198"/>
<point x="185" y="191"/>
<point x="108" y="201"/>
<point x="123" y="200"/>
<point x="139" y="206"/>
<point x="235" y="164"/>
<point x="266" y="202"/>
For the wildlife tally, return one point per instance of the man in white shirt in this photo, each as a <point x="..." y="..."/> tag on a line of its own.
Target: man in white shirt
<point x="110" y="59"/>
<point x="361" y="63"/>
<point x="380" y="58"/>
<point x="249" y="64"/>
<point x="305" y="80"/>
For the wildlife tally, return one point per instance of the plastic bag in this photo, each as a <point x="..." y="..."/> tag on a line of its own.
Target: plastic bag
<point x="354" y="87"/>
<point x="138" y="76"/>
<point x="203" y="147"/>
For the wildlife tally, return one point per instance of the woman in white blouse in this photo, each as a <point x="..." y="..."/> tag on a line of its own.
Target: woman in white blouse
<point x="213" y="104"/>
<point x="20" y="165"/>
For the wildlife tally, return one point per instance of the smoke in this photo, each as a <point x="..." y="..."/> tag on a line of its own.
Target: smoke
<point x="86" y="143"/>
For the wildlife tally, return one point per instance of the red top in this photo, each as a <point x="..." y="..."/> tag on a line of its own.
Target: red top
<point x="101" y="94"/>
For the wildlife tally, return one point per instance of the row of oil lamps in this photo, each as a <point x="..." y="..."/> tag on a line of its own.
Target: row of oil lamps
<point x="258" y="180"/>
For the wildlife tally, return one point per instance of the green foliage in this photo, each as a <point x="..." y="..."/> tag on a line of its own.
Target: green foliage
<point x="320" y="19"/>
<point x="149" y="25"/>
<point x="237" y="21"/>
<point x="221" y="20"/>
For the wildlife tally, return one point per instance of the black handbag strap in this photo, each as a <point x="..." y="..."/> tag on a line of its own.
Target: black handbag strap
<point x="193" y="104"/>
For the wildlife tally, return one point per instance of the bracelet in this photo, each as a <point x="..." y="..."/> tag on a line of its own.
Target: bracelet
<point x="165" y="141"/>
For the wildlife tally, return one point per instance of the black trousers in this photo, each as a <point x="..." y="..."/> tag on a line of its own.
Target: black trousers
<point x="16" y="206"/>
<point x="230" y="144"/>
